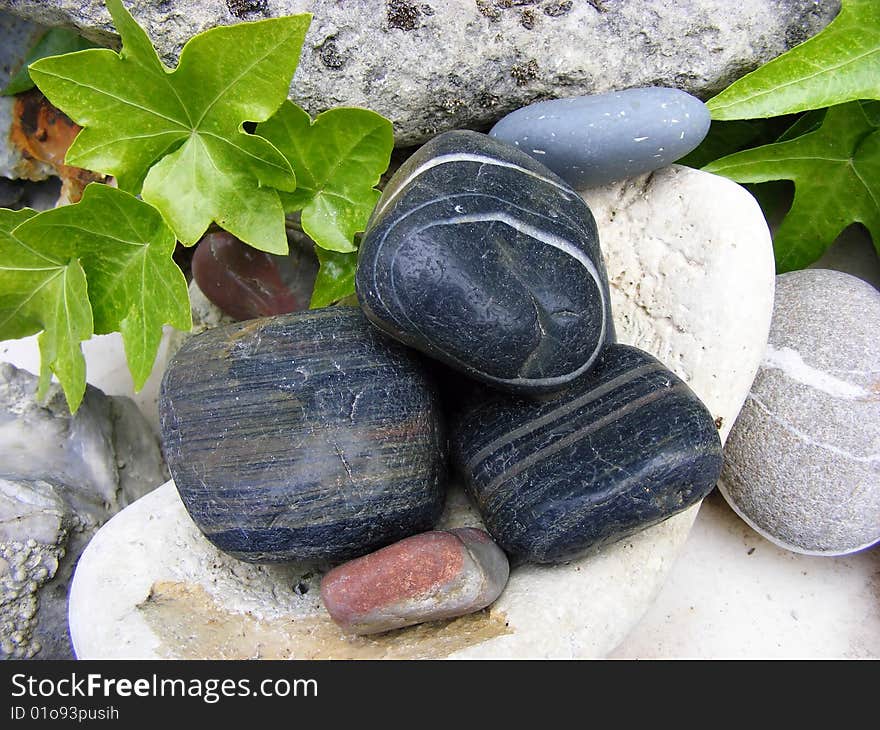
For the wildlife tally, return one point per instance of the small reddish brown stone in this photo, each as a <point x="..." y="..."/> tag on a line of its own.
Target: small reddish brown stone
<point x="435" y="575"/>
<point x="246" y="283"/>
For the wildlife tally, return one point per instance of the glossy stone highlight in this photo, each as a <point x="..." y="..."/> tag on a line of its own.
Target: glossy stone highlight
<point x="484" y="259"/>
<point x="626" y="447"/>
<point x="435" y="575"/>
<point x="593" y="140"/>
<point x="307" y="436"/>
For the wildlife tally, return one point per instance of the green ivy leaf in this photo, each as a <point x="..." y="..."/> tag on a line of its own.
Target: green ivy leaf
<point x="45" y="291"/>
<point x="335" y="278"/>
<point x="725" y="138"/>
<point x="840" y="64"/>
<point x="53" y="42"/>
<point x="872" y="111"/>
<point x="338" y="160"/>
<point x="125" y="249"/>
<point x="178" y="135"/>
<point x="805" y="123"/>
<point x="836" y="172"/>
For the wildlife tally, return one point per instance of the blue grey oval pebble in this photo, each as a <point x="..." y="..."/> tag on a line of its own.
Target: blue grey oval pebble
<point x="592" y="140"/>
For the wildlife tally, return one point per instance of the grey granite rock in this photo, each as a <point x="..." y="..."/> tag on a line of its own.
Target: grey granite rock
<point x="593" y="140"/>
<point x="802" y="464"/>
<point x="61" y="478"/>
<point x="42" y="533"/>
<point x="433" y="66"/>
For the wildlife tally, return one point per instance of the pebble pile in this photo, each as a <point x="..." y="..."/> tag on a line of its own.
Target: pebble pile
<point x="319" y="435"/>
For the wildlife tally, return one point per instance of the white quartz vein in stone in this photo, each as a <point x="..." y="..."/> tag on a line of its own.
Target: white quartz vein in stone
<point x="554" y="241"/>
<point x="806" y="438"/>
<point x="790" y="362"/>
<point x="464" y="157"/>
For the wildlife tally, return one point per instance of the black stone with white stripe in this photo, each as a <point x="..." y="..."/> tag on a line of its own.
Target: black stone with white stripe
<point x="624" y="448"/>
<point x="481" y="257"/>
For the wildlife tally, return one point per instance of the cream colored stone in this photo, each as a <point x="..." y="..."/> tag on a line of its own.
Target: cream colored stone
<point x="150" y="586"/>
<point x="691" y="270"/>
<point x="690" y="263"/>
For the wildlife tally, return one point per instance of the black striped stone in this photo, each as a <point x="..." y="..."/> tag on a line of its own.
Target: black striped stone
<point x="481" y="257"/>
<point x="307" y="436"/>
<point x="625" y="447"/>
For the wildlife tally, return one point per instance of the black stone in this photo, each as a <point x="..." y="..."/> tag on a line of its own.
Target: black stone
<point x="11" y="191"/>
<point x="624" y="448"/>
<point x="307" y="436"/>
<point x="479" y="256"/>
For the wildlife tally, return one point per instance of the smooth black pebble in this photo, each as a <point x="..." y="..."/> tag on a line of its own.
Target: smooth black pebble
<point x="308" y="436"/>
<point x="481" y="257"/>
<point x="626" y="447"/>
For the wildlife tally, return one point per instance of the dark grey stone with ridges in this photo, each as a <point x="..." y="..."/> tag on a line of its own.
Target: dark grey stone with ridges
<point x="484" y="259"/>
<point x="307" y="436"/>
<point x="624" y="448"/>
<point x="593" y="140"/>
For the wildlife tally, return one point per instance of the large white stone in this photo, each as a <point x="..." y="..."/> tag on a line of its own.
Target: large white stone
<point x="690" y="263"/>
<point x="691" y="269"/>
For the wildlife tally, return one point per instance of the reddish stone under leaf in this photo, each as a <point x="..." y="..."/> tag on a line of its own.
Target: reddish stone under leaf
<point x="241" y="281"/>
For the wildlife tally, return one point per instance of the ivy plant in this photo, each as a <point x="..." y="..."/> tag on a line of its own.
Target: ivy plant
<point x="212" y="141"/>
<point x="102" y="265"/>
<point x="830" y="151"/>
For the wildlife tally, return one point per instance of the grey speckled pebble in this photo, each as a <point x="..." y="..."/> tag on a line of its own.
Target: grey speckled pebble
<point x="592" y="140"/>
<point x="802" y="464"/>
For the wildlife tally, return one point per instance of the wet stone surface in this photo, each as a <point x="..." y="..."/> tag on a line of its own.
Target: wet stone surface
<point x="245" y="283"/>
<point x="483" y="259"/>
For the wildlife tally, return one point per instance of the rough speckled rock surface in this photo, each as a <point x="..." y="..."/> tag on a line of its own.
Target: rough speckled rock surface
<point x="61" y="477"/>
<point x="431" y="66"/>
<point x="802" y="464"/>
<point x="697" y="292"/>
